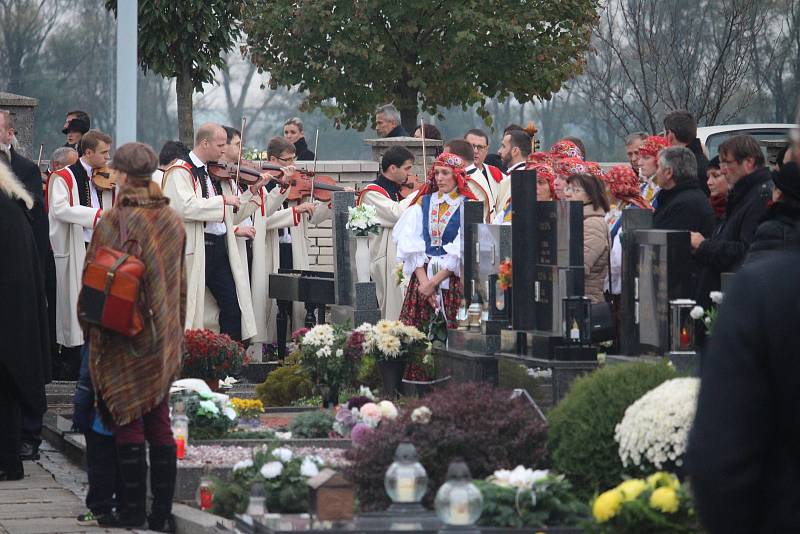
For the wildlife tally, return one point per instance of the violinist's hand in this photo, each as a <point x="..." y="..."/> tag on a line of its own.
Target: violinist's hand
<point x="247" y="231"/>
<point x="231" y="200"/>
<point x="289" y="170"/>
<point x="305" y="207"/>
<point x="262" y="181"/>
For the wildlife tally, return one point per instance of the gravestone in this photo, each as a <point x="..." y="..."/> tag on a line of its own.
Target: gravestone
<point x="21" y="109"/>
<point x="356" y="302"/>
<point x="632" y="220"/>
<point x="524" y="251"/>
<point x="413" y="144"/>
<point x="663" y="271"/>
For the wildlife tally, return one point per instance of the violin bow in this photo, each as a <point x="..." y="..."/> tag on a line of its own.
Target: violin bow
<point x="314" y="171"/>
<point x="239" y="158"/>
<point x="424" y="162"/>
<point x="39" y="161"/>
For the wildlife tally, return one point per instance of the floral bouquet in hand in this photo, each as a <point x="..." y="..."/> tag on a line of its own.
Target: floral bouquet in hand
<point x="657" y="504"/>
<point x="362" y="220"/>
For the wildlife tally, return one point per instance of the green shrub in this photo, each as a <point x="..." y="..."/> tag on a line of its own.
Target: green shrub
<point x="310" y="425"/>
<point x="284" y="385"/>
<point x="581" y="438"/>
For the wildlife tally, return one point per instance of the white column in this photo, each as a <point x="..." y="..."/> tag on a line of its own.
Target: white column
<point x="127" y="69"/>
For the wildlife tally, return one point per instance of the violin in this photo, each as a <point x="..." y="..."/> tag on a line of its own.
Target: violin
<point x="413" y="183"/>
<point x="303" y="182"/>
<point x="102" y="179"/>
<point x="247" y="174"/>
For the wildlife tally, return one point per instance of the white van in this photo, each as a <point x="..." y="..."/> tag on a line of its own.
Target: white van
<point x="713" y="136"/>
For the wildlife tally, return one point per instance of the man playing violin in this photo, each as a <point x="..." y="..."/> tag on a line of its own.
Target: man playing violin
<point x="75" y="206"/>
<point x="384" y="195"/>
<point x="244" y="231"/>
<point x="275" y="218"/>
<point x="215" y="279"/>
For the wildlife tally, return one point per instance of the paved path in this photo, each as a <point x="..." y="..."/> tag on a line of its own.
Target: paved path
<point x="48" y="499"/>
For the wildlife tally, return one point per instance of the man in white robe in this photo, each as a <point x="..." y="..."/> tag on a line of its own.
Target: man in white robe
<point x="483" y="179"/>
<point x="384" y="195"/>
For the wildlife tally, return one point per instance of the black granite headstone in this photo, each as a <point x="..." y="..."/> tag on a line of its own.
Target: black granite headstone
<point x="663" y="274"/>
<point x="471" y="216"/>
<point x="523" y="249"/>
<point x="632" y="220"/>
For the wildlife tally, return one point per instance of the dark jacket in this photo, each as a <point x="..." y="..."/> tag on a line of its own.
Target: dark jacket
<point x="702" y="164"/>
<point x="301" y="150"/>
<point x="743" y="450"/>
<point x="684" y="207"/>
<point x="726" y="250"/>
<point x="398" y="131"/>
<point x="28" y="173"/>
<point x="778" y="230"/>
<point x="496" y="160"/>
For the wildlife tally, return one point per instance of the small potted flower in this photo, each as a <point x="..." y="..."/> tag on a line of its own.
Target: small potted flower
<point x="393" y="345"/>
<point x="210" y="356"/>
<point x="323" y="354"/>
<point x="248" y="411"/>
<point x="362" y="221"/>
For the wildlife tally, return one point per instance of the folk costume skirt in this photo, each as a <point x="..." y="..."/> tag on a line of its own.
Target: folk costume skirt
<point x="417" y="311"/>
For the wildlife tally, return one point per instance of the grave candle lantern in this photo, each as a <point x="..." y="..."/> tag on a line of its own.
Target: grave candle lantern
<point x="681" y="325"/>
<point x="458" y="502"/>
<point x="577" y="320"/>
<point x="406" y="480"/>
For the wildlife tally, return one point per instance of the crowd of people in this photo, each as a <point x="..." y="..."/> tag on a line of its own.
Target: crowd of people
<point x="209" y="243"/>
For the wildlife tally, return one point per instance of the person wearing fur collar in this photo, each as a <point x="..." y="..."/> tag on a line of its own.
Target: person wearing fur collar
<point x="23" y="322"/>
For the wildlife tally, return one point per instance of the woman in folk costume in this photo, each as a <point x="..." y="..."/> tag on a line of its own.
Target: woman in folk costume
<point x="648" y="165"/>
<point x="545" y="189"/>
<point x="428" y="240"/>
<point x="133" y="388"/>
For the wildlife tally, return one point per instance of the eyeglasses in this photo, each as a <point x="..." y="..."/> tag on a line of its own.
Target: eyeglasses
<point x="290" y="159"/>
<point x="573" y="189"/>
<point x="480" y="148"/>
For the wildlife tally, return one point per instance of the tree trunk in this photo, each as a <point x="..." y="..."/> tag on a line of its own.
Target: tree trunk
<point x="185" y="90"/>
<point x="408" y="118"/>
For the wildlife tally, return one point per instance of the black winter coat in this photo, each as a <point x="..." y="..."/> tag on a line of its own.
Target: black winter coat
<point x="398" y="131"/>
<point x="702" y="164"/>
<point x="743" y="450"/>
<point x="778" y="230"/>
<point x="726" y="250"/>
<point x="28" y="173"/>
<point x="301" y="151"/>
<point x="684" y="207"/>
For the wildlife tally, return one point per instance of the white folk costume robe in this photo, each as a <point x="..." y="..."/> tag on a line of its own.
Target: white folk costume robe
<point x="69" y="222"/>
<point x="504" y="192"/>
<point x="185" y="194"/>
<point x="382" y="195"/>
<point x="485" y="185"/>
<point x="238" y="262"/>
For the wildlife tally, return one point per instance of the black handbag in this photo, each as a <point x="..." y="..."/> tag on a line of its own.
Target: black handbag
<point x="601" y="314"/>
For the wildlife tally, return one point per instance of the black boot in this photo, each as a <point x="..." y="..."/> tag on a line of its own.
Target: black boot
<point x="163" y="470"/>
<point x="133" y="472"/>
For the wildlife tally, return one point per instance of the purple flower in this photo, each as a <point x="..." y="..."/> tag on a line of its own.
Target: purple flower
<point x="346" y="417"/>
<point x="360" y="433"/>
<point x="357" y="402"/>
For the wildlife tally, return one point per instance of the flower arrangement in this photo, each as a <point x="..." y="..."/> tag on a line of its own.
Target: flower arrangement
<point x="211" y="356"/>
<point x="709" y="317"/>
<point x="362" y="220"/>
<point x="389" y="340"/>
<point x="210" y="415"/>
<point x="655" y="429"/>
<point x="247" y="408"/>
<point x="358" y="419"/>
<point x="504" y="274"/>
<point x="283" y="474"/>
<point x="324" y="356"/>
<point x="523" y="497"/>
<point x="657" y="504"/>
<point x="400" y="275"/>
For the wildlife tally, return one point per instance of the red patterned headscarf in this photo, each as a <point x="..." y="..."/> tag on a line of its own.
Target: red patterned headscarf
<point x="454" y="162"/>
<point x="566" y="149"/>
<point x="653" y="145"/>
<point x="541" y="157"/>
<point x="623" y="184"/>
<point x="594" y="169"/>
<point x="543" y="170"/>
<point x="564" y="167"/>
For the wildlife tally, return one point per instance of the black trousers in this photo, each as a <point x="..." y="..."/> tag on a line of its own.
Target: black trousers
<point x="219" y="280"/>
<point x="10" y="419"/>
<point x="102" y="471"/>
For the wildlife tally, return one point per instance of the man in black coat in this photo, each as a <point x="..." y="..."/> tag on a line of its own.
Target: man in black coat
<point x="778" y="229"/>
<point x="742" y="162"/>
<point x="681" y="130"/>
<point x="387" y="122"/>
<point x="23" y="322"/>
<point x="743" y="450"/>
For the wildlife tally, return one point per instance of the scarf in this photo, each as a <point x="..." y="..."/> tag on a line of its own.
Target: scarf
<point x="454" y="162"/>
<point x="623" y="184"/>
<point x="718" y="204"/>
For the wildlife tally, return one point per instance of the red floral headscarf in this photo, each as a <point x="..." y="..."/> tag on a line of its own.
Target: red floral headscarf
<point x="543" y="170"/>
<point x="564" y="167"/>
<point x="653" y="145"/>
<point x="541" y="157"/>
<point x="567" y="149"/>
<point x="594" y="169"/>
<point x="454" y="162"/>
<point x="623" y="184"/>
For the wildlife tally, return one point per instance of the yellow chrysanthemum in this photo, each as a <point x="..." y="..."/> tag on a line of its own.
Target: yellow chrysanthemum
<point x="663" y="479"/>
<point x="606" y="505"/>
<point x="384" y="326"/>
<point x="388" y="345"/>
<point x="665" y="499"/>
<point x="632" y="488"/>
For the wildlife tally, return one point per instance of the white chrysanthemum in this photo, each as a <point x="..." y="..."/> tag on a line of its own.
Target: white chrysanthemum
<point x="697" y="312"/>
<point x="716" y="297"/>
<point x="244" y="464"/>
<point x="319" y="336"/>
<point x="383" y="327"/>
<point x="421" y="415"/>
<point x="308" y="468"/>
<point x="324" y="352"/>
<point x="283" y="454"/>
<point x="388" y="345"/>
<point x="271" y="470"/>
<point x="655" y="428"/>
<point x="388" y="410"/>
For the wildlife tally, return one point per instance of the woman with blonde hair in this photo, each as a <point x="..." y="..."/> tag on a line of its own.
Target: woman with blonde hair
<point x="132" y="375"/>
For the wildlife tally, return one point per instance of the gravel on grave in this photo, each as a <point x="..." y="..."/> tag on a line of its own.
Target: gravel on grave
<point x="223" y="456"/>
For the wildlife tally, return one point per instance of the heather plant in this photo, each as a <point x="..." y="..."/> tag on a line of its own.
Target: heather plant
<point x="581" y="441"/>
<point x="314" y="424"/>
<point x="284" y="385"/>
<point x="473" y="421"/>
